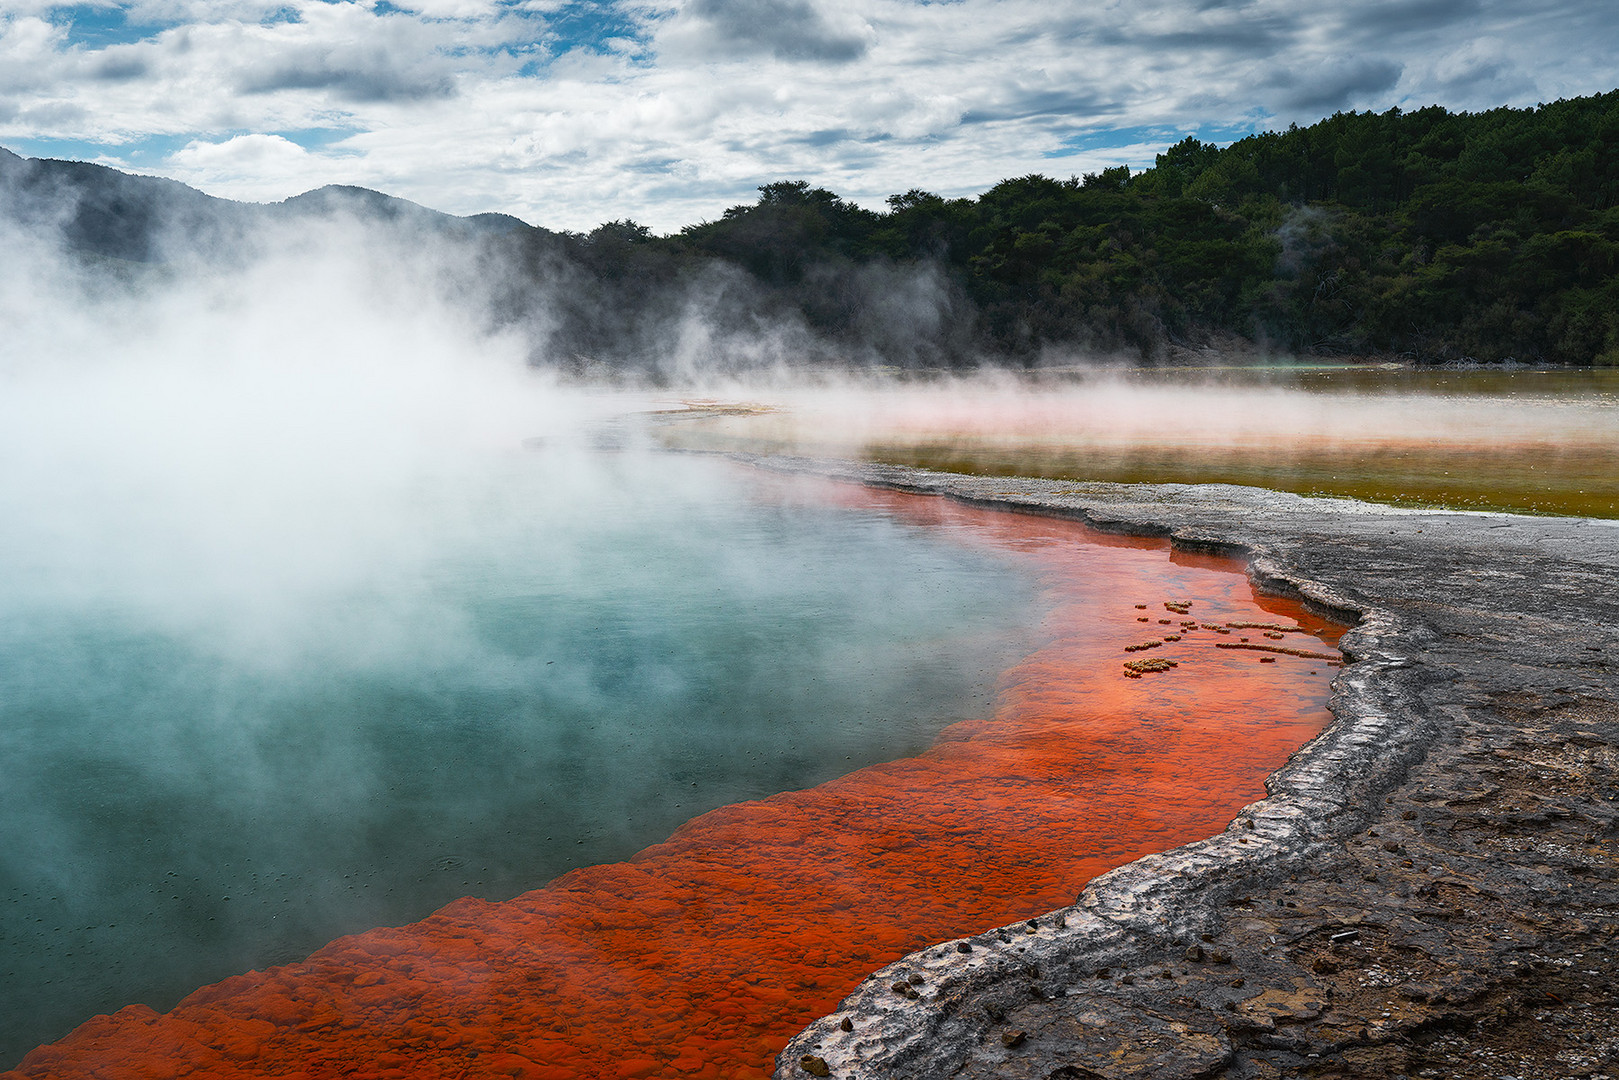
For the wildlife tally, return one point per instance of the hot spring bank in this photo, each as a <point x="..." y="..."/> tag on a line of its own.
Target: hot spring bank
<point x="1428" y="890"/>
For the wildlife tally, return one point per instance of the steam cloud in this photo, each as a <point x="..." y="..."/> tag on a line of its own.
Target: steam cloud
<point x="276" y="477"/>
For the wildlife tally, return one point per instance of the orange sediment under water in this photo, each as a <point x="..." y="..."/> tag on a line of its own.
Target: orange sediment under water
<point x="702" y="955"/>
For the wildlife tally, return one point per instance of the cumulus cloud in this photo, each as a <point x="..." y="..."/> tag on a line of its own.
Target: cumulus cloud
<point x="1383" y="18"/>
<point x="452" y="9"/>
<point x="119" y="63"/>
<point x="261" y="167"/>
<point x="1229" y="31"/>
<point x="366" y="77"/>
<point x="29" y="46"/>
<point x="241" y="152"/>
<point x="569" y="113"/>
<point x="1327" y="88"/>
<point x="783" y="29"/>
<point x="355" y="54"/>
<point x="1472" y="74"/>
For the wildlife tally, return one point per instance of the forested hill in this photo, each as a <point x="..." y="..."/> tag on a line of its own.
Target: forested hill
<point x="1487" y="236"/>
<point x="1491" y="236"/>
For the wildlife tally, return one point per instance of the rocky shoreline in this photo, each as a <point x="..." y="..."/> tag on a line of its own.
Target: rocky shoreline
<point x="1432" y="887"/>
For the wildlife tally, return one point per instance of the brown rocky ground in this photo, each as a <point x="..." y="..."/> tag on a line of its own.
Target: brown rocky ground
<point x="1432" y="889"/>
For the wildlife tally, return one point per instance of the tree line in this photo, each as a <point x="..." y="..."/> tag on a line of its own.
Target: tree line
<point x="1442" y="236"/>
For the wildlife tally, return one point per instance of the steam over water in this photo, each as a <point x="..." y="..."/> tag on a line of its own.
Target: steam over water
<point x="319" y="609"/>
<point x="541" y="679"/>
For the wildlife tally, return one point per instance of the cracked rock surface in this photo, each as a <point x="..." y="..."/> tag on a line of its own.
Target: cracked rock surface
<point x="1432" y="887"/>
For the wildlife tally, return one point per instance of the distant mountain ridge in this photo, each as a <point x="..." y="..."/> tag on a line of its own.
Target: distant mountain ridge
<point x="104" y="212"/>
<point x="364" y="202"/>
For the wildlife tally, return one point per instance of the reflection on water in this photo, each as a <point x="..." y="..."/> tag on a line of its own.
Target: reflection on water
<point x="1541" y="442"/>
<point x="700" y="956"/>
<point x="198" y="781"/>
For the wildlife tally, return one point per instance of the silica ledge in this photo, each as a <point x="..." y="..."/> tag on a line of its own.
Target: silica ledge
<point x="1430" y="883"/>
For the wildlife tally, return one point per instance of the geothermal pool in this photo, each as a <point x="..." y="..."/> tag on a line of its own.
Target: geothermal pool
<point x="297" y="642"/>
<point x="953" y="680"/>
<point x="199" y="778"/>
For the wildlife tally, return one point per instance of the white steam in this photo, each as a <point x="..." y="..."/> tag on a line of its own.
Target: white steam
<point x="223" y="452"/>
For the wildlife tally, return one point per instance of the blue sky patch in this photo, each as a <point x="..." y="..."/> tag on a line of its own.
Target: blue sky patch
<point x="139" y="153"/>
<point x="153" y="151"/>
<point x="313" y="138"/>
<point x="590" y="25"/>
<point x="1120" y="138"/>
<point x="96" y="27"/>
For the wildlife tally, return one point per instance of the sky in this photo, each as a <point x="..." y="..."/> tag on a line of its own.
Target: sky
<point x="569" y="113"/>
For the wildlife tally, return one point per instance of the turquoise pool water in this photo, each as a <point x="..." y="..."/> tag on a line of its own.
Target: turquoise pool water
<point x="225" y="742"/>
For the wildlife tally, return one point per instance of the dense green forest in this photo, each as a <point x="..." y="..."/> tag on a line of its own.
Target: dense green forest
<point x="1440" y="236"/>
<point x="1432" y="235"/>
